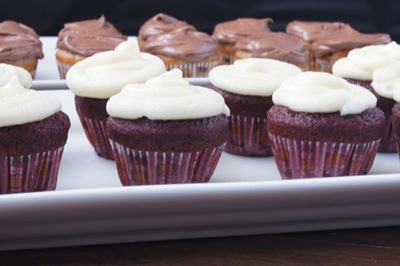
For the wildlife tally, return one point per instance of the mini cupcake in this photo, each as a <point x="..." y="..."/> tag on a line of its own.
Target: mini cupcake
<point x="95" y="79"/>
<point x="227" y="34"/>
<point x="274" y="45"/>
<point x="33" y="132"/>
<point x="20" y="46"/>
<point x="363" y="67"/>
<point x="79" y="40"/>
<point x="166" y="131"/>
<point x="247" y="87"/>
<point x="323" y="126"/>
<point x="183" y="47"/>
<point x="329" y="41"/>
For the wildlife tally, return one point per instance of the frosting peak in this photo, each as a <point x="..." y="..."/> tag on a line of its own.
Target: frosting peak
<point x="106" y="73"/>
<point x="8" y="71"/>
<point x="318" y="92"/>
<point x="166" y="97"/>
<point x="88" y="37"/>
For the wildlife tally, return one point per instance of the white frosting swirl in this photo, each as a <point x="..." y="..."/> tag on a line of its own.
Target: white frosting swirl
<point x="252" y="76"/>
<point x="7" y="71"/>
<point x="386" y="81"/>
<point x="318" y="92"/>
<point x="361" y="63"/>
<point x="166" y="97"/>
<point x="20" y="106"/>
<point x="106" y="73"/>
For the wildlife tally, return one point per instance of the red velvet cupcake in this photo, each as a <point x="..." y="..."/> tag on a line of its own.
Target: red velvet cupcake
<point x="166" y="131"/>
<point x="323" y="126"/>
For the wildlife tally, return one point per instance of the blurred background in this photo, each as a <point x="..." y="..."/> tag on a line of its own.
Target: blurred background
<point x="48" y="17"/>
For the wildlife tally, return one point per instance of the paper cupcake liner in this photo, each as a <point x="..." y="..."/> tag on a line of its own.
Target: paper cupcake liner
<point x="323" y="65"/>
<point x="62" y="69"/>
<point x="193" y="70"/>
<point x="307" y="159"/>
<point x="388" y="142"/>
<point x="29" y="173"/>
<point x="248" y="136"/>
<point x="136" y="167"/>
<point x="96" y="133"/>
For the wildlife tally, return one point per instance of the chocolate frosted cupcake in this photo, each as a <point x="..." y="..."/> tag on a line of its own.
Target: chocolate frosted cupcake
<point x="20" y="46"/>
<point x="181" y="46"/>
<point x="247" y="87"/>
<point x="323" y="126"/>
<point x="229" y="32"/>
<point x="79" y="40"/>
<point x="95" y="79"/>
<point x="329" y="41"/>
<point x="166" y="131"/>
<point x="370" y="67"/>
<point x="274" y="45"/>
<point x="33" y="132"/>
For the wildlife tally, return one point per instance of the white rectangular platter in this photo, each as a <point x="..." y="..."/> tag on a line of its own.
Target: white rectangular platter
<point x="245" y="196"/>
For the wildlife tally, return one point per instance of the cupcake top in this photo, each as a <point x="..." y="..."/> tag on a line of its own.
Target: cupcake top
<point x="329" y="37"/>
<point x="85" y="38"/>
<point x="318" y="92"/>
<point x="8" y="71"/>
<point x="106" y="73"/>
<point x="386" y="81"/>
<point x="185" y="43"/>
<point x="19" y="105"/>
<point x="274" y="45"/>
<point x="166" y="97"/>
<point x="161" y="24"/>
<point x="231" y="31"/>
<point x="252" y="76"/>
<point x="18" y="41"/>
<point x="361" y="63"/>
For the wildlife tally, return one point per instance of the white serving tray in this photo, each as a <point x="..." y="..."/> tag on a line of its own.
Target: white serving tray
<point x="244" y="196"/>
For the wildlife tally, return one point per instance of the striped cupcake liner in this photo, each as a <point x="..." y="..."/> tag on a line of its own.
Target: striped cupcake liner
<point x="248" y="136"/>
<point x="29" y="173"/>
<point x="194" y="70"/>
<point x="297" y="159"/>
<point x="136" y="167"/>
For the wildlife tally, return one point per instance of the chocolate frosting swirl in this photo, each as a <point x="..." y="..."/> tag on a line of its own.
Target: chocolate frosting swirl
<point x="161" y="24"/>
<point x="274" y="45"/>
<point x="18" y="41"/>
<point x="329" y="37"/>
<point x="231" y="31"/>
<point x="88" y="37"/>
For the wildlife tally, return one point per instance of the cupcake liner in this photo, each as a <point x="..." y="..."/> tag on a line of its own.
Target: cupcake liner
<point x="62" y="69"/>
<point x="307" y="159"/>
<point x="96" y="132"/>
<point x="190" y="70"/>
<point x="29" y="173"/>
<point x="323" y="65"/>
<point x="137" y="167"/>
<point x="248" y="136"/>
<point x="388" y="142"/>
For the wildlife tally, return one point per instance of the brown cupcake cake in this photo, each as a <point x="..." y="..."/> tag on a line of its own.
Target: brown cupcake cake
<point x="79" y="40"/>
<point x="181" y="46"/>
<point x="327" y="42"/>
<point x="20" y="46"/>
<point x="227" y="34"/>
<point x="166" y="131"/>
<point x="323" y="126"/>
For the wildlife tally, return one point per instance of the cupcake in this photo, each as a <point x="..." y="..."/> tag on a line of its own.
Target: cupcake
<point x="363" y="67"/>
<point x="20" y="46"/>
<point x="166" y="131"/>
<point x="274" y="45"/>
<point x="96" y="78"/>
<point x="183" y="47"/>
<point x="247" y="87"/>
<point x="323" y="126"/>
<point x="227" y="34"/>
<point x="393" y="85"/>
<point x="329" y="41"/>
<point x="33" y="132"/>
<point x="79" y="40"/>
